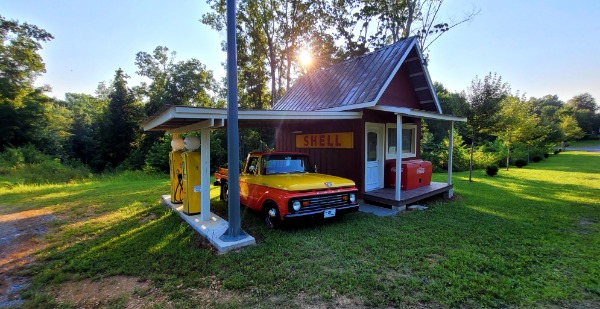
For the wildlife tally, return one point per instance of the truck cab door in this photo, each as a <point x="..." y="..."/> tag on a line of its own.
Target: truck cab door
<point x="246" y="179"/>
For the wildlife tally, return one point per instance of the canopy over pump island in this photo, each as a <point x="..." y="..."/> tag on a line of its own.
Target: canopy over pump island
<point x="345" y="117"/>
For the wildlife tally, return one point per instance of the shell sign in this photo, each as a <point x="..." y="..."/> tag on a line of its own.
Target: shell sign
<point x="325" y="140"/>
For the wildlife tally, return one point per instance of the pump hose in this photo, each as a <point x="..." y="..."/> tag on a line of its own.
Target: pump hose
<point x="179" y="188"/>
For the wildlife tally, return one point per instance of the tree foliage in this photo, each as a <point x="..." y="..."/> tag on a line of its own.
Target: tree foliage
<point x="584" y="107"/>
<point x="23" y="109"/>
<point x="484" y="96"/>
<point x="517" y="124"/>
<point x="272" y="33"/>
<point x="122" y="123"/>
<point x="186" y="82"/>
<point x="570" y="128"/>
<point x="20" y="62"/>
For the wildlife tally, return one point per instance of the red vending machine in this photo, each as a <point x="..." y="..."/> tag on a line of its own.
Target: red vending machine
<point x="415" y="174"/>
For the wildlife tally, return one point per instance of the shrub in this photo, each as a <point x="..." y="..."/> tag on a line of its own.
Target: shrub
<point x="520" y="163"/>
<point x="536" y="159"/>
<point x="556" y="152"/>
<point x="491" y="170"/>
<point x="482" y="159"/>
<point x="29" y="165"/>
<point x="546" y="155"/>
<point x="157" y="159"/>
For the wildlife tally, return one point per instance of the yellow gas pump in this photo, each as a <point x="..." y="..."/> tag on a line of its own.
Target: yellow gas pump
<point x="191" y="176"/>
<point x="176" y="169"/>
<point x="176" y="173"/>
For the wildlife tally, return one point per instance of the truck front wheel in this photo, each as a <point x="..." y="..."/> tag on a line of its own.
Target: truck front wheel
<point x="271" y="215"/>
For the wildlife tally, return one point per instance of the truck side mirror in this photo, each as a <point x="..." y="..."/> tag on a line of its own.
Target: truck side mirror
<point x="316" y="168"/>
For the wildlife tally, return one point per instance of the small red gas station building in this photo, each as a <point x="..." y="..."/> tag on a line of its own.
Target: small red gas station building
<point x="346" y="117"/>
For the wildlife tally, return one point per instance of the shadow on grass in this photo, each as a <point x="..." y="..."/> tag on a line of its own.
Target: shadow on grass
<point x="507" y="241"/>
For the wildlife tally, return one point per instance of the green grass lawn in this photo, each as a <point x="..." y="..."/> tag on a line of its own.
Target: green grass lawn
<point x="585" y="143"/>
<point x="527" y="237"/>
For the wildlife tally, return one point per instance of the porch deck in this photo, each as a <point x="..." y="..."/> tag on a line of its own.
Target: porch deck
<point x="386" y="196"/>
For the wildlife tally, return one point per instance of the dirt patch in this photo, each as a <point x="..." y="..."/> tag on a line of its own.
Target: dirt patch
<point x="215" y="294"/>
<point x="150" y="217"/>
<point x="131" y="292"/>
<point x="20" y="234"/>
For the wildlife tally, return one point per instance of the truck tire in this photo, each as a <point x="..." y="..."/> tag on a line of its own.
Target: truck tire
<point x="224" y="191"/>
<point x="271" y="215"/>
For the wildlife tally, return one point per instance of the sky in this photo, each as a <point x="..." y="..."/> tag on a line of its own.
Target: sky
<point x="539" y="47"/>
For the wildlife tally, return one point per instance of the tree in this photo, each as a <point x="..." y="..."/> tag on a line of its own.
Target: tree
<point x="546" y="106"/>
<point x="382" y="22"/>
<point x="584" y="110"/>
<point x="570" y="129"/>
<point x="452" y="103"/>
<point x="270" y="34"/>
<point x="24" y="124"/>
<point x="517" y="124"/>
<point x="20" y="62"/>
<point x="584" y="101"/>
<point x="122" y="122"/>
<point x="22" y="107"/>
<point x="186" y="82"/>
<point x="484" y="98"/>
<point x="87" y="113"/>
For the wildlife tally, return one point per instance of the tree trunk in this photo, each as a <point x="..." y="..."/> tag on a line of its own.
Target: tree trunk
<point x="409" y="18"/>
<point x="471" y="160"/>
<point x="528" y="150"/>
<point x="508" y="157"/>
<point x="273" y="67"/>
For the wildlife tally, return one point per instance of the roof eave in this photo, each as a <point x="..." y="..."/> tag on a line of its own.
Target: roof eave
<point x="418" y="113"/>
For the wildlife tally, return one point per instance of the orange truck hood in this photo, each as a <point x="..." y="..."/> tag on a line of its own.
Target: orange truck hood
<point x="304" y="181"/>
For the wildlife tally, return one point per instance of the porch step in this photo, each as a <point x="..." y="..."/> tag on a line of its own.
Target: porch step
<point x="377" y="210"/>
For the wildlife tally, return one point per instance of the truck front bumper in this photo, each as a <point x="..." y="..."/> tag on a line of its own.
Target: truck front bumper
<point x="319" y="213"/>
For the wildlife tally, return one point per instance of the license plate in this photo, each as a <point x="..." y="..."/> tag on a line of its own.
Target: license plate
<point x="329" y="213"/>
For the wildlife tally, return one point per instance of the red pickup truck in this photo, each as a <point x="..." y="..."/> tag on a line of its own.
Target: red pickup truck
<point x="282" y="186"/>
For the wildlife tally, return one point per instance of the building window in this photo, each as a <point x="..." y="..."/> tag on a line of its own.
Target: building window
<point x="409" y="141"/>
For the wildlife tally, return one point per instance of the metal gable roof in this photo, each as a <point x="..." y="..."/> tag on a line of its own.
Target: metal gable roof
<point x="355" y="82"/>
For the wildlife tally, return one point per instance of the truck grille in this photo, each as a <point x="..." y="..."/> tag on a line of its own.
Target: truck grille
<point x="324" y="201"/>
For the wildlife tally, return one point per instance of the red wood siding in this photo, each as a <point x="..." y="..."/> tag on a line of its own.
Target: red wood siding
<point x="338" y="162"/>
<point x="348" y="163"/>
<point x="400" y="92"/>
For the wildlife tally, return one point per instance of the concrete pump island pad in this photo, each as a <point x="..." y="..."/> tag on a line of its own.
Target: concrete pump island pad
<point x="211" y="229"/>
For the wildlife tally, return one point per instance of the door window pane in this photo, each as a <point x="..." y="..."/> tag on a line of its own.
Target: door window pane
<point x="371" y="146"/>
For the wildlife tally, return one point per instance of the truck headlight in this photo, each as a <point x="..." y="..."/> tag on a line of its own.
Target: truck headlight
<point x="296" y="205"/>
<point x="352" y="198"/>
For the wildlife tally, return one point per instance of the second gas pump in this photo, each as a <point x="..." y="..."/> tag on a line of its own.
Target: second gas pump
<point x="190" y="161"/>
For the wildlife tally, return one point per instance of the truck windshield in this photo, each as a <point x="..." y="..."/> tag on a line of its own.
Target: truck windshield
<point x="285" y="164"/>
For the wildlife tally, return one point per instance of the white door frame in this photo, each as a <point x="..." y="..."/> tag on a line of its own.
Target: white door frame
<point x="379" y="128"/>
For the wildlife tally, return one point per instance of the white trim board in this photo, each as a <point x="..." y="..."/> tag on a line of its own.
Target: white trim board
<point x="215" y="117"/>
<point x="417" y="113"/>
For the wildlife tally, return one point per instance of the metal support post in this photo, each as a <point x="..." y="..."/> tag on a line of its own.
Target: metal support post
<point x="398" y="156"/>
<point x="234" y="231"/>
<point x="450" y="155"/>
<point x="205" y="175"/>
